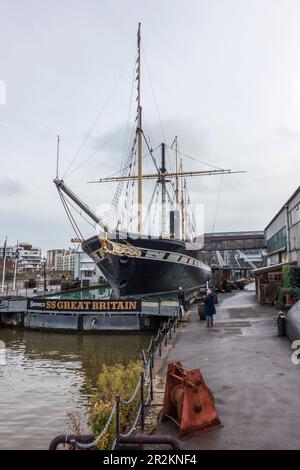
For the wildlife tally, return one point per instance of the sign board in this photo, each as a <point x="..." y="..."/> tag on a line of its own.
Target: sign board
<point x="59" y="305"/>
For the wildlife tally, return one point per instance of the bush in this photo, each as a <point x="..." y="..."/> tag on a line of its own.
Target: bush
<point x="293" y="291"/>
<point x="114" y="380"/>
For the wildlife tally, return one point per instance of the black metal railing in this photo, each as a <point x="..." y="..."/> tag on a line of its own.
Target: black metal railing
<point x="143" y="390"/>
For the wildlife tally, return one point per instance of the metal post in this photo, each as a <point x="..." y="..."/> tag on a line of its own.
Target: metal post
<point x="152" y="359"/>
<point x="44" y="272"/>
<point x="117" y="398"/>
<point x="151" y="381"/>
<point x="166" y="339"/>
<point x="159" y="349"/>
<point x="142" y="403"/>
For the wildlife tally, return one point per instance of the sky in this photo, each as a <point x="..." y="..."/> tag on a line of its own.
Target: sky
<point x="224" y="76"/>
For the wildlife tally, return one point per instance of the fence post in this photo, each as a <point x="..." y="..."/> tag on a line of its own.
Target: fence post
<point x="166" y="339"/>
<point x="142" y="403"/>
<point x="151" y="381"/>
<point x="159" y="349"/>
<point x="152" y="359"/>
<point x="117" y="398"/>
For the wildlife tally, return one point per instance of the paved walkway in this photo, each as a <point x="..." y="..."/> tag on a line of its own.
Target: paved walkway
<point x="249" y="370"/>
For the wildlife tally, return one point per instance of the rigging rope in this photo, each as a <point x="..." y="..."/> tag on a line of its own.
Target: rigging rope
<point x="218" y="203"/>
<point x="98" y="115"/>
<point x="195" y="159"/>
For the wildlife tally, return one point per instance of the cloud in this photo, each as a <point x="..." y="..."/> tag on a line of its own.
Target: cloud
<point x="287" y="133"/>
<point x="10" y="187"/>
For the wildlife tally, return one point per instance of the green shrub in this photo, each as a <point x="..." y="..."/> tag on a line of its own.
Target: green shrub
<point x="114" y="380"/>
<point x="293" y="291"/>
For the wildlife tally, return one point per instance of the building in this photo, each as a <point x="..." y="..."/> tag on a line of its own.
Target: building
<point x="65" y="261"/>
<point x="29" y="258"/>
<point x="282" y="237"/>
<point x="233" y="255"/>
<point x="74" y="262"/>
<point x="51" y="258"/>
<point x="85" y="269"/>
<point x="10" y="251"/>
<point x="283" y="233"/>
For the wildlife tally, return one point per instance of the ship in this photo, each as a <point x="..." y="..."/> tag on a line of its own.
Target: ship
<point x="136" y="262"/>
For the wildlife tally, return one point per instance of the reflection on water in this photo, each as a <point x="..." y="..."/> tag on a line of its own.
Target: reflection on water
<point x="93" y="293"/>
<point x="47" y="375"/>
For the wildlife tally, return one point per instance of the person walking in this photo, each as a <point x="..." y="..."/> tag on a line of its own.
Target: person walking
<point x="209" y="308"/>
<point x="181" y="298"/>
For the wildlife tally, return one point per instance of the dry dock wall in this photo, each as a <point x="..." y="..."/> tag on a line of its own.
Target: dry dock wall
<point x="14" y="313"/>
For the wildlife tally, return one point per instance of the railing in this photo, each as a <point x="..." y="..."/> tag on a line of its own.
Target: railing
<point x="145" y="383"/>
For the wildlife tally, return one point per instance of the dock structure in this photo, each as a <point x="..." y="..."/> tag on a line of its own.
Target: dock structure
<point x="250" y="372"/>
<point x="85" y="315"/>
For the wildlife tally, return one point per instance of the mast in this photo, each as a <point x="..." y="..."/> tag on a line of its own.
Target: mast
<point x="182" y="209"/>
<point x="163" y="191"/>
<point x="139" y="131"/>
<point x="177" y="171"/>
<point x="4" y="264"/>
<point x="57" y="155"/>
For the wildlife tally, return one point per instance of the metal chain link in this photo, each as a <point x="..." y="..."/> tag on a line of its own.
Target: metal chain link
<point x="147" y="381"/>
<point x="127" y="402"/>
<point x="134" y="424"/>
<point x="98" y="438"/>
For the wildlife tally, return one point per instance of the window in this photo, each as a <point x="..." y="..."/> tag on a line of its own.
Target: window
<point x="88" y="273"/>
<point x="277" y="242"/>
<point x="295" y="215"/>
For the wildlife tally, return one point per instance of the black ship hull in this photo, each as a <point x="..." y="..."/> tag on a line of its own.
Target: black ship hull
<point x="143" y="266"/>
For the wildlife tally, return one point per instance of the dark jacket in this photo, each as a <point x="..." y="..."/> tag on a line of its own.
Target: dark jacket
<point x="181" y="296"/>
<point x="209" y="306"/>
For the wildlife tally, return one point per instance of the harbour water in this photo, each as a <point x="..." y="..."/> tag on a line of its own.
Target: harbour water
<point x="48" y="375"/>
<point x="81" y="294"/>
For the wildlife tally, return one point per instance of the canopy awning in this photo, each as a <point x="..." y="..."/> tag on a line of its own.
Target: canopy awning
<point x="273" y="267"/>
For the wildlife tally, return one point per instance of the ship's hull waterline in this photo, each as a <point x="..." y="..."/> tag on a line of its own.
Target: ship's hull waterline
<point x="144" y="266"/>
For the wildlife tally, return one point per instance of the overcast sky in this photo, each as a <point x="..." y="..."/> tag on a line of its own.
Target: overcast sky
<point x="226" y="76"/>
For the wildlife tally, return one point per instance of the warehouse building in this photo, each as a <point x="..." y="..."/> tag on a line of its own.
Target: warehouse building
<point x="282" y="237"/>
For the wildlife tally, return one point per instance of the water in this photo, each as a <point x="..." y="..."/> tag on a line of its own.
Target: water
<point x="93" y="293"/>
<point x="47" y="375"/>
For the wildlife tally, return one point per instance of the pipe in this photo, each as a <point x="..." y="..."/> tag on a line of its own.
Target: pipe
<point x="68" y="438"/>
<point x="140" y="440"/>
<point x="137" y="439"/>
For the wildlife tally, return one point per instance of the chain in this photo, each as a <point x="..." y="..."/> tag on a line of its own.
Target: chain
<point x="134" y="424"/>
<point x="127" y="402"/>
<point x="98" y="438"/>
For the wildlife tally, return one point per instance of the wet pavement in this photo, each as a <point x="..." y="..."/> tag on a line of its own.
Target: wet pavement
<point x="250" y="372"/>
